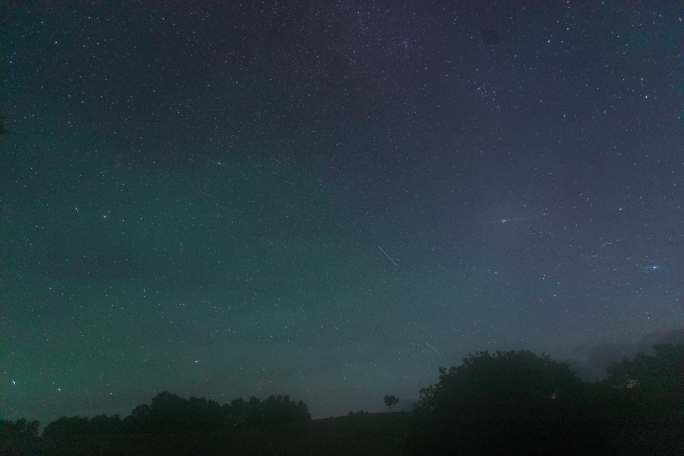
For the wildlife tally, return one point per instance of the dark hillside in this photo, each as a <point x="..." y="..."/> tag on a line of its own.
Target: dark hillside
<point x="368" y="433"/>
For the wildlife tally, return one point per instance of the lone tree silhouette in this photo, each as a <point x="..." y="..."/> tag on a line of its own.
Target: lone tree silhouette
<point x="391" y="400"/>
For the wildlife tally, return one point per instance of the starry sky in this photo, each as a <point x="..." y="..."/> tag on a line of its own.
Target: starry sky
<point x="329" y="199"/>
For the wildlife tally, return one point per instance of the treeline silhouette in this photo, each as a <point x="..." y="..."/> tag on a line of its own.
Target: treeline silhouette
<point x="166" y="414"/>
<point x="170" y="413"/>
<point x="502" y="403"/>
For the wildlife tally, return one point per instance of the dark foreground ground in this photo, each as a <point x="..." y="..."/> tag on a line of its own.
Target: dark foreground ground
<point x="367" y="434"/>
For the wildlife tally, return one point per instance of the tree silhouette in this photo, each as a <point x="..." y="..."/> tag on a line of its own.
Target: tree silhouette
<point x="391" y="401"/>
<point x="505" y="403"/>
<point x="653" y="384"/>
<point x="18" y="437"/>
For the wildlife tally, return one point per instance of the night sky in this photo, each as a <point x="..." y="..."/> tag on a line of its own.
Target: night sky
<point x="328" y="199"/>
